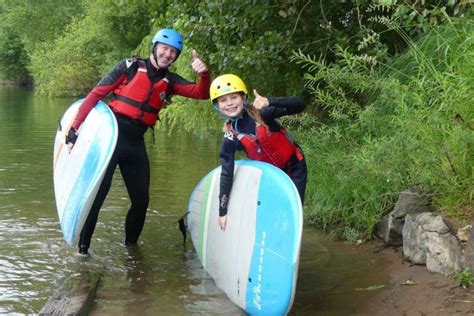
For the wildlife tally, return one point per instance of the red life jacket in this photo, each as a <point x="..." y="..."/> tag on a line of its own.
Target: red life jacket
<point x="140" y="99"/>
<point x="272" y="147"/>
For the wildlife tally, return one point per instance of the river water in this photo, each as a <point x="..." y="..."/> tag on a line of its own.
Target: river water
<point x="160" y="276"/>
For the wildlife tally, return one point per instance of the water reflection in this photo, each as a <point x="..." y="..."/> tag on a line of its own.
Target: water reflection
<point x="331" y="272"/>
<point x="139" y="282"/>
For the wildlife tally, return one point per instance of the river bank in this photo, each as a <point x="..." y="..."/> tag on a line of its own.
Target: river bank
<point x="28" y="83"/>
<point x="412" y="290"/>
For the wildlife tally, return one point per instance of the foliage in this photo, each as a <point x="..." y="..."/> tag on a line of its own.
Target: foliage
<point x="13" y="57"/>
<point x="37" y="22"/>
<point x="419" y="16"/>
<point x="23" y="28"/>
<point x="410" y="124"/>
<point x="92" y="44"/>
<point x="253" y="39"/>
<point x="238" y="37"/>
<point x="346" y="85"/>
<point x="465" y="278"/>
<point x="200" y="117"/>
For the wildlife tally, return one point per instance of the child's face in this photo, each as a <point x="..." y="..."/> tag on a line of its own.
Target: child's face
<point x="231" y="105"/>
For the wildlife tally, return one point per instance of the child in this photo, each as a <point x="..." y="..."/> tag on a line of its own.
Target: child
<point x="254" y="129"/>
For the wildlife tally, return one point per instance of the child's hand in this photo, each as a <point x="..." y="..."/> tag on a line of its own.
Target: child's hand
<point x="198" y="65"/>
<point x="222" y="221"/>
<point x="260" y="102"/>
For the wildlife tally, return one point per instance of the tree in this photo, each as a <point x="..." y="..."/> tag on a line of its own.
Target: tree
<point x="107" y="32"/>
<point x="13" y="57"/>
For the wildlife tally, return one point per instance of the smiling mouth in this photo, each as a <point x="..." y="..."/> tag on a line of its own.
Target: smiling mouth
<point x="232" y="109"/>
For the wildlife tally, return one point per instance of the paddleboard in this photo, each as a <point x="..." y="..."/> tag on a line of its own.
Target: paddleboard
<point x="78" y="175"/>
<point x="255" y="260"/>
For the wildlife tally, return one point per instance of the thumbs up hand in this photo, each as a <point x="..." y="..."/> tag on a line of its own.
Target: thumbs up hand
<point x="260" y="102"/>
<point x="198" y="65"/>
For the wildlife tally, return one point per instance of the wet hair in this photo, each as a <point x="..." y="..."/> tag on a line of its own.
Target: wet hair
<point x="255" y="114"/>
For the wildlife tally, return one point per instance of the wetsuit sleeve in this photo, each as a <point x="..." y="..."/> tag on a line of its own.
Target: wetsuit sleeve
<point x="227" y="174"/>
<point x="185" y="88"/>
<point x="281" y="106"/>
<point x="107" y="84"/>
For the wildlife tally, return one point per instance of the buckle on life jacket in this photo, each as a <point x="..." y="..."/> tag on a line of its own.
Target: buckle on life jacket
<point x="299" y="154"/>
<point x="142" y="106"/>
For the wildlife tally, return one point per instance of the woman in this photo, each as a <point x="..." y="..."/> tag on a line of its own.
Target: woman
<point x="139" y="88"/>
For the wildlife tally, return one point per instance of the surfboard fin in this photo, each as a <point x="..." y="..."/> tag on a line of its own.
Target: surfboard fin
<point x="182" y="226"/>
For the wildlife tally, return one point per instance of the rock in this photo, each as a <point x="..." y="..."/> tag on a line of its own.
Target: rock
<point x="74" y="296"/>
<point x="412" y="249"/>
<point x="427" y="239"/>
<point x="469" y="253"/>
<point x="463" y="233"/>
<point x="411" y="201"/>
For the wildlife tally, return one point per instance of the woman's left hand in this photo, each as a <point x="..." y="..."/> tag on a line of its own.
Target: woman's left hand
<point x="198" y="65"/>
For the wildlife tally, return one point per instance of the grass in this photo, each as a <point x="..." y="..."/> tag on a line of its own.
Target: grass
<point x="465" y="278"/>
<point x="414" y="127"/>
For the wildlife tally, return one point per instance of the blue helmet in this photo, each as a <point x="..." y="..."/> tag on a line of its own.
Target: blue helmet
<point x="169" y="37"/>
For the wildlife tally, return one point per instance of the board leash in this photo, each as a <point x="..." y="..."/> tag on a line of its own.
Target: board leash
<point x="182" y="226"/>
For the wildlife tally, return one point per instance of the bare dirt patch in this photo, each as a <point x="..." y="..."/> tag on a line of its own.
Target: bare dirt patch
<point x="413" y="290"/>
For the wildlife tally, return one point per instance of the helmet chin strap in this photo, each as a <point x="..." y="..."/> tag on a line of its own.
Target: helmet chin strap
<point x="246" y="102"/>
<point x="153" y="52"/>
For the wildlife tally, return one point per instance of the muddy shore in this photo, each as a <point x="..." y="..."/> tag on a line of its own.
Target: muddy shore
<point x="413" y="290"/>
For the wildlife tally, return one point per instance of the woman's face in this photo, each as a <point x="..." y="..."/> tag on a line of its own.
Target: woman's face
<point x="231" y="105"/>
<point x="165" y="55"/>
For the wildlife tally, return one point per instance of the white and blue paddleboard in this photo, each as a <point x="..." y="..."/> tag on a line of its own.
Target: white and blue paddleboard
<point x="78" y="175"/>
<point x="255" y="260"/>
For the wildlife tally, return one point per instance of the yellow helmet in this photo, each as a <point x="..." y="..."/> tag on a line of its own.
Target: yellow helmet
<point x="226" y="84"/>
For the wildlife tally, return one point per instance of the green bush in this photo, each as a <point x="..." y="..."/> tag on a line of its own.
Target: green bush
<point x="72" y="64"/>
<point x="410" y="123"/>
<point x="465" y="278"/>
<point x="24" y="28"/>
<point x="13" y="57"/>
